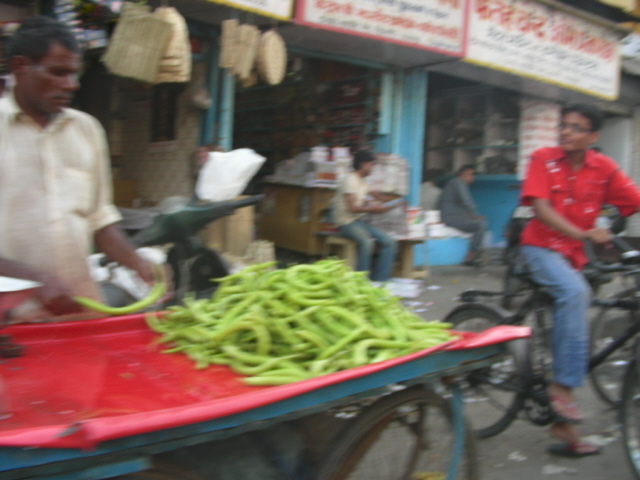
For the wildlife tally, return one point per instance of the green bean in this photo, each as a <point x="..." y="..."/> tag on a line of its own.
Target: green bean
<point x="335" y="348"/>
<point x="288" y="325"/>
<point x="158" y="289"/>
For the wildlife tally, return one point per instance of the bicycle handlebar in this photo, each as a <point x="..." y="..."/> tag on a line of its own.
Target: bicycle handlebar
<point x="629" y="256"/>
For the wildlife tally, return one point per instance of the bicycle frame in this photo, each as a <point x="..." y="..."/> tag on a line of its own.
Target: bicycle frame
<point x="632" y="306"/>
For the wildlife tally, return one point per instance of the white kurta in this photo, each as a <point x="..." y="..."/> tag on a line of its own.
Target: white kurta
<point x="55" y="192"/>
<point x="359" y="188"/>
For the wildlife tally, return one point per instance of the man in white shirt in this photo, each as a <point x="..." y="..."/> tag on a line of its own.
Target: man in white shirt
<point x="55" y="184"/>
<point x="350" y="204"/>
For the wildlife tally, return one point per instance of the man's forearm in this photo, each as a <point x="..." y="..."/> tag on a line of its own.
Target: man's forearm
<point x="10" y="268"/>
<point x="112" y="241"/>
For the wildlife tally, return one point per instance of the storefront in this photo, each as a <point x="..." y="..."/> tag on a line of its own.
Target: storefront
<point x="438" y="85"/>
<point x="523" y="62"/>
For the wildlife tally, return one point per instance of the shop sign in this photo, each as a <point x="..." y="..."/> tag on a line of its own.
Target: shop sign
<point x="281" y="9"/>
<point x="539" y="122"/>
<point x="437" y="25"/>
<point x="537" y="41"/>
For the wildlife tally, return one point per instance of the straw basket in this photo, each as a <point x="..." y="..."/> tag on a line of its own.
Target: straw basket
<point x="138" y="43"/>
<point x="272" y="58"/>
<point x="228" y="43"/>
<point x="247" y="48"/>
<point x="175" y="64"/>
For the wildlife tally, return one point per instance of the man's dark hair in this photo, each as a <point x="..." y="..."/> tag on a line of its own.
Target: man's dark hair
<point x="464" y="168"/>
<point x="34" y="38"/>
<point x="362" y="156"/>
<point x="591" y="112"/>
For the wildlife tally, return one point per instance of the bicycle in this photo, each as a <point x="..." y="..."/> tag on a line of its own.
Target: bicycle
<point x="498" y="393"/>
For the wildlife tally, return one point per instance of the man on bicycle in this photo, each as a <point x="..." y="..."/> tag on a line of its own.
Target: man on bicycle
<point x="567" y="186"/>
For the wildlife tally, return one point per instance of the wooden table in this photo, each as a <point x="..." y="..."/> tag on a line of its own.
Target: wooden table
<point x="404" y="268"/>
<point x="405" y="255"/>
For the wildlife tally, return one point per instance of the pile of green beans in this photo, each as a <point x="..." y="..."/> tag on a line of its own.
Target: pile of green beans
<point x="285" y="325"/>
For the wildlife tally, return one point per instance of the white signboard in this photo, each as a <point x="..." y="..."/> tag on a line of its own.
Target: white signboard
<point x="282" y="9"/>
<point x="539" y="127"/>
<point x="437" y="25"/>
<point x="534" y="40"/>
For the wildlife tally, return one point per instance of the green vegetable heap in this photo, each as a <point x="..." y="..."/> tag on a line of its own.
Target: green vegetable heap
<point x="281" y="326"/>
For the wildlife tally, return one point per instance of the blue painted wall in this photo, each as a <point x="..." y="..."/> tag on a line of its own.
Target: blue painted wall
<point x="409" y="104"/>
<point x="496" y="196"/>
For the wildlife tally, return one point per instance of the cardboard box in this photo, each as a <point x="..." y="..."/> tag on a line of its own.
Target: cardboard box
<point x="232" y="234"/>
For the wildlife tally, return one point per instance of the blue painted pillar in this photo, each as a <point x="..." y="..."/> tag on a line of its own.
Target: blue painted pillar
<point x="408" y="131"/>
<point x="409" y="126"/>
<point x="227" y="108"/>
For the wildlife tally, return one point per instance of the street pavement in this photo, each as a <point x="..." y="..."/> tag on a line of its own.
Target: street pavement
<point x="519" y="452"/>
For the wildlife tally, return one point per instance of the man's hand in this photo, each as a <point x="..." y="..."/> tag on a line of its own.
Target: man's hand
<point x="144" y="269"/>
<point x="56" y="296"/>
<point x="597" y="235"/>
<point x="378" y="208"/>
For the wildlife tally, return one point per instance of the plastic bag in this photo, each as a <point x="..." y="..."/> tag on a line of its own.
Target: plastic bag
<point x="225" y="175"/>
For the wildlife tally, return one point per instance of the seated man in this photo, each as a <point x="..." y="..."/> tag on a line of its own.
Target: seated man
<point x="458" y="210"/>
<point x="349" y="204"/>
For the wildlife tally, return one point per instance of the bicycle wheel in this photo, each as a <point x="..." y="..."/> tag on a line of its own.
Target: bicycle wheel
<point x="405" y="435"/>
<point x="630" y="415"/>
<point x="607" y="377"/>
<point x="493" y="395"/>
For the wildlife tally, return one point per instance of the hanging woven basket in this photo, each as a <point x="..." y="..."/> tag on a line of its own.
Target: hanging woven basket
<point x="138" y="44"/>
<point x="228" y="43"/>
<point x="248" y="40"/>
<point x="272" y="58"/>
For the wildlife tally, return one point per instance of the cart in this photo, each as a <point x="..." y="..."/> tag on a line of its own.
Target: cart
<point x="98" y="399"/>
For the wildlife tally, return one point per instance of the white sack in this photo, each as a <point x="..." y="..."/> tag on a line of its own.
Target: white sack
<point x="226" y="174"/>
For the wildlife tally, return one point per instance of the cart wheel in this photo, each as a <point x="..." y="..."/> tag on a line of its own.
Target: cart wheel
<point x="404" y="435"/>
<point x="162" y="471"/>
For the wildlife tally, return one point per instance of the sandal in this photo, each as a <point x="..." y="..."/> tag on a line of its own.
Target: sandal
<point x="573" y="450"/>
<point x="565" y="411"/>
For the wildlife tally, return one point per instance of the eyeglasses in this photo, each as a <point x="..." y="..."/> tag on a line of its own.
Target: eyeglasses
<point x="574" y="128"/>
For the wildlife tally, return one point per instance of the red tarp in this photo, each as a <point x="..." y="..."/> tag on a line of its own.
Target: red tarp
<point x="80" y="383"/>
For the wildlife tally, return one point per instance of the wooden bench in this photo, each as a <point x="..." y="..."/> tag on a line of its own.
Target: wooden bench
<point x="347" y="249"/>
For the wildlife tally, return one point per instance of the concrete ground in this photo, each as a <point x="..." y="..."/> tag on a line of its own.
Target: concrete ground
<point x="519" y="452"/>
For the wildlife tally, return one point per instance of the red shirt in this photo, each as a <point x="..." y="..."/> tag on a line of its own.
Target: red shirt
<point x="578" y="196"/>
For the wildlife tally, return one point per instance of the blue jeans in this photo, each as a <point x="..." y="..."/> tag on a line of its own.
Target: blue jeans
<point x="366" y="236"/>
<point x="572" y="296"/>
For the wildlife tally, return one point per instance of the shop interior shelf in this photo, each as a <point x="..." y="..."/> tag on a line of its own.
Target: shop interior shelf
<point x="348" y="105"/>
<point x="481" y="120"/>
<point x="254" y="109"/>
<point x="345" y="125"/>
<point x="473" y="147"/>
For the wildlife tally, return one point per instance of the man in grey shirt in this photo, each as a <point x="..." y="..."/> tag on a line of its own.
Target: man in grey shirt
<point x="458" y="210"/>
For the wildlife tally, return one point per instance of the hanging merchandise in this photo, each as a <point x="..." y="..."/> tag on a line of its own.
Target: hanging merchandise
<point x="247" y="47"/>
<point x="272" y="58"/>
<point x="247" y="53"/>
<point x="150" y="47"/>
<point x="175" y="65"/>
<point x="228" y="43"/>
<point x="138" y="43"/>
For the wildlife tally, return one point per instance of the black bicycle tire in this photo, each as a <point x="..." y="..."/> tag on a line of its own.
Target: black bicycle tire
<point x="512" y="409"/>
<point x="630" y="390"/>
<point x="356" y="434"/>
<point x="598" y="326"/>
